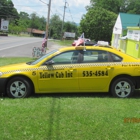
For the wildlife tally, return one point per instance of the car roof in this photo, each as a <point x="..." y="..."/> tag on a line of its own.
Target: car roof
<point x="107" y="48"/>
<point x="104" y="48"/>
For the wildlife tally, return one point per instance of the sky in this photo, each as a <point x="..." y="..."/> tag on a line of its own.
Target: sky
<point x="73" y="12"/>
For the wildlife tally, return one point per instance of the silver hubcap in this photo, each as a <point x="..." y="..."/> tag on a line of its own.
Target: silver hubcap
<point x="18" y="89"/>
<point x="123" y="89"/>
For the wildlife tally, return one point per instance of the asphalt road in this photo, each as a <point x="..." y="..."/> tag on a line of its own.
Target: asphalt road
<point x="21" y="46"/>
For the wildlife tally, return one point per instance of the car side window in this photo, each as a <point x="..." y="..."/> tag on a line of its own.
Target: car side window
<point x="115" y="57"/>
<point x="69" y="57"/>
<point x="94" y="56"/>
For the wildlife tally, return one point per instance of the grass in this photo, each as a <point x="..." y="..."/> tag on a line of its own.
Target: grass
<point x="69" y="118"/>
<point x="13" y="60"/>
<point x="95" y="116"/>
<point x="63" y="42"/>
<point x="20" y="35"/>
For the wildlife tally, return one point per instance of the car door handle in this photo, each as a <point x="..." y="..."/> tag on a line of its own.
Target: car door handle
<point x="110" y="68"/>
<point x="71" y="70"/>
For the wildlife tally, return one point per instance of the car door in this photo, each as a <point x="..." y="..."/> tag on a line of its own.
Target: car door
<point x="60" y="74"/>
<point x="96" y="71"/>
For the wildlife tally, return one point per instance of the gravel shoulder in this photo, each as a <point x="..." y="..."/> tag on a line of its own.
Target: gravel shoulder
<point x="52" y="46"/>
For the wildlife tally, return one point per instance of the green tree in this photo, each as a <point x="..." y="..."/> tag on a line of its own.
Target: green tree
<point x="116" y="6"/>
<point x="21" y="24"/>
<point x="14" y="29"/>
<point x="55" y="26"/>
<point x="70" y="27"/>
<point x="7" y="10"/>
<point x="36" y="22"/>
<point x="24" y="19"/>
<point x="133" y="7"/>
<point x="27" y="21"/>
<point x="42" y="23"/>
<point x="111" y="5"/>
<point x="97" y="24"/>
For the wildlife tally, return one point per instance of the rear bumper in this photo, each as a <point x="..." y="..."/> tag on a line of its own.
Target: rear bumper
<point x="2" y="85"/>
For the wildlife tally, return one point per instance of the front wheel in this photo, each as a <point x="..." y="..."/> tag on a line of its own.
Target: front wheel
<point x="18" y="87"/>
<point x="122" y="88"/>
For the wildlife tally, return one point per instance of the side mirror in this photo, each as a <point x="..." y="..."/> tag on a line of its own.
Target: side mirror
<point x="51" y="62"/>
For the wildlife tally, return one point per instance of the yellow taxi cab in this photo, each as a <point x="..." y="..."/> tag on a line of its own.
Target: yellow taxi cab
<point x="73" y="69"/>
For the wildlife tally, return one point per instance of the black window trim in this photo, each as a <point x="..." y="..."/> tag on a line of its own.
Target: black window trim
<point x="116" y="55"/>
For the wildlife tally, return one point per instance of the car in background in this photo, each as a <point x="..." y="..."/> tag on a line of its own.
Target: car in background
<point x="73" y="69"/>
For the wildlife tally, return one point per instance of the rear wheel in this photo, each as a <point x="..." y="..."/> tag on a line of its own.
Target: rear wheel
<point x="18" y="87"/>
<point x="122" y="88"/>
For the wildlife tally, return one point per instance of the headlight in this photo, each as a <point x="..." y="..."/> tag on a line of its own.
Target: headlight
<point x="0" y="73"/>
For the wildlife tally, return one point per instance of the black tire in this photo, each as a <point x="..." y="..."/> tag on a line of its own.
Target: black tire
<point x="122" y="88"/>
<point x="18" y="87"/>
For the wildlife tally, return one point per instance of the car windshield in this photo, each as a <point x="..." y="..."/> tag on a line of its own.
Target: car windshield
<point x="41" y="58"/>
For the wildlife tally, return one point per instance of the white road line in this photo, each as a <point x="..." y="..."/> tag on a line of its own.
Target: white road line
<point x="19" y="45"/>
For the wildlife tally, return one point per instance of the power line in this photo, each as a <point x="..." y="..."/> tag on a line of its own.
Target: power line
<point x="52" y="12"/>
<point x="22" y="6"/>
<point x="58" y="13"/>
<point x="9" y="13"/>
<point x="63" y="18"/>
<point x="7" y="16"/>
<point x="43" y="2"/>
<point x="70" y="12"/>
<point x="7" y="6"/>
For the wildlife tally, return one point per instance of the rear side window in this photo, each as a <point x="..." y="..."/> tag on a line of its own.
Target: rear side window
<point x="95" y="56"/>
<point x="115" y="57"/>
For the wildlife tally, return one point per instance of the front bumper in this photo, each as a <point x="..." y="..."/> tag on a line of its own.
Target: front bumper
<point x="2" y="85"/>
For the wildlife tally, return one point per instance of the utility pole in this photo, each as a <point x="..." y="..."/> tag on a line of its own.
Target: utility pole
<point x="63" y="20"/>
<point x="47" y="23"/>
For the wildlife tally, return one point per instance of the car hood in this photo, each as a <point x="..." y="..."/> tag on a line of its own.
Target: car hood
<point x="18" y="66"/>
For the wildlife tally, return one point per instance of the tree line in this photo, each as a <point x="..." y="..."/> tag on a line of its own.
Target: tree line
<point x="101" y="16"/>
<point x="97" y="23"/>
<point x="19" y="22"/>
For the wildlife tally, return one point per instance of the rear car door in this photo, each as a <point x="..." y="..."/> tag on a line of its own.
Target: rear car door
<point x="96" y="71"/>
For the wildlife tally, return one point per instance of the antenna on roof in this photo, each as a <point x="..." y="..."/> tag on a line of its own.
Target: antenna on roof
<point x="84" y="42"/>
<point x="139" y="23"/>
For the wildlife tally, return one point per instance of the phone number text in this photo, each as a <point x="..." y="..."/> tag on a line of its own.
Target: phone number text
<point x="96" y="73"/>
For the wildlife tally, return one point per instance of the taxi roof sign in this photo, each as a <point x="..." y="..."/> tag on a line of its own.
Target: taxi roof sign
<point x="102" y="43"/>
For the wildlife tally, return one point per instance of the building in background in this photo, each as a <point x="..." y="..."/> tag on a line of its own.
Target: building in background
<point x="35" y="32"/>
<point x="123" y="21"/>
<point x="132" y="42"/>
